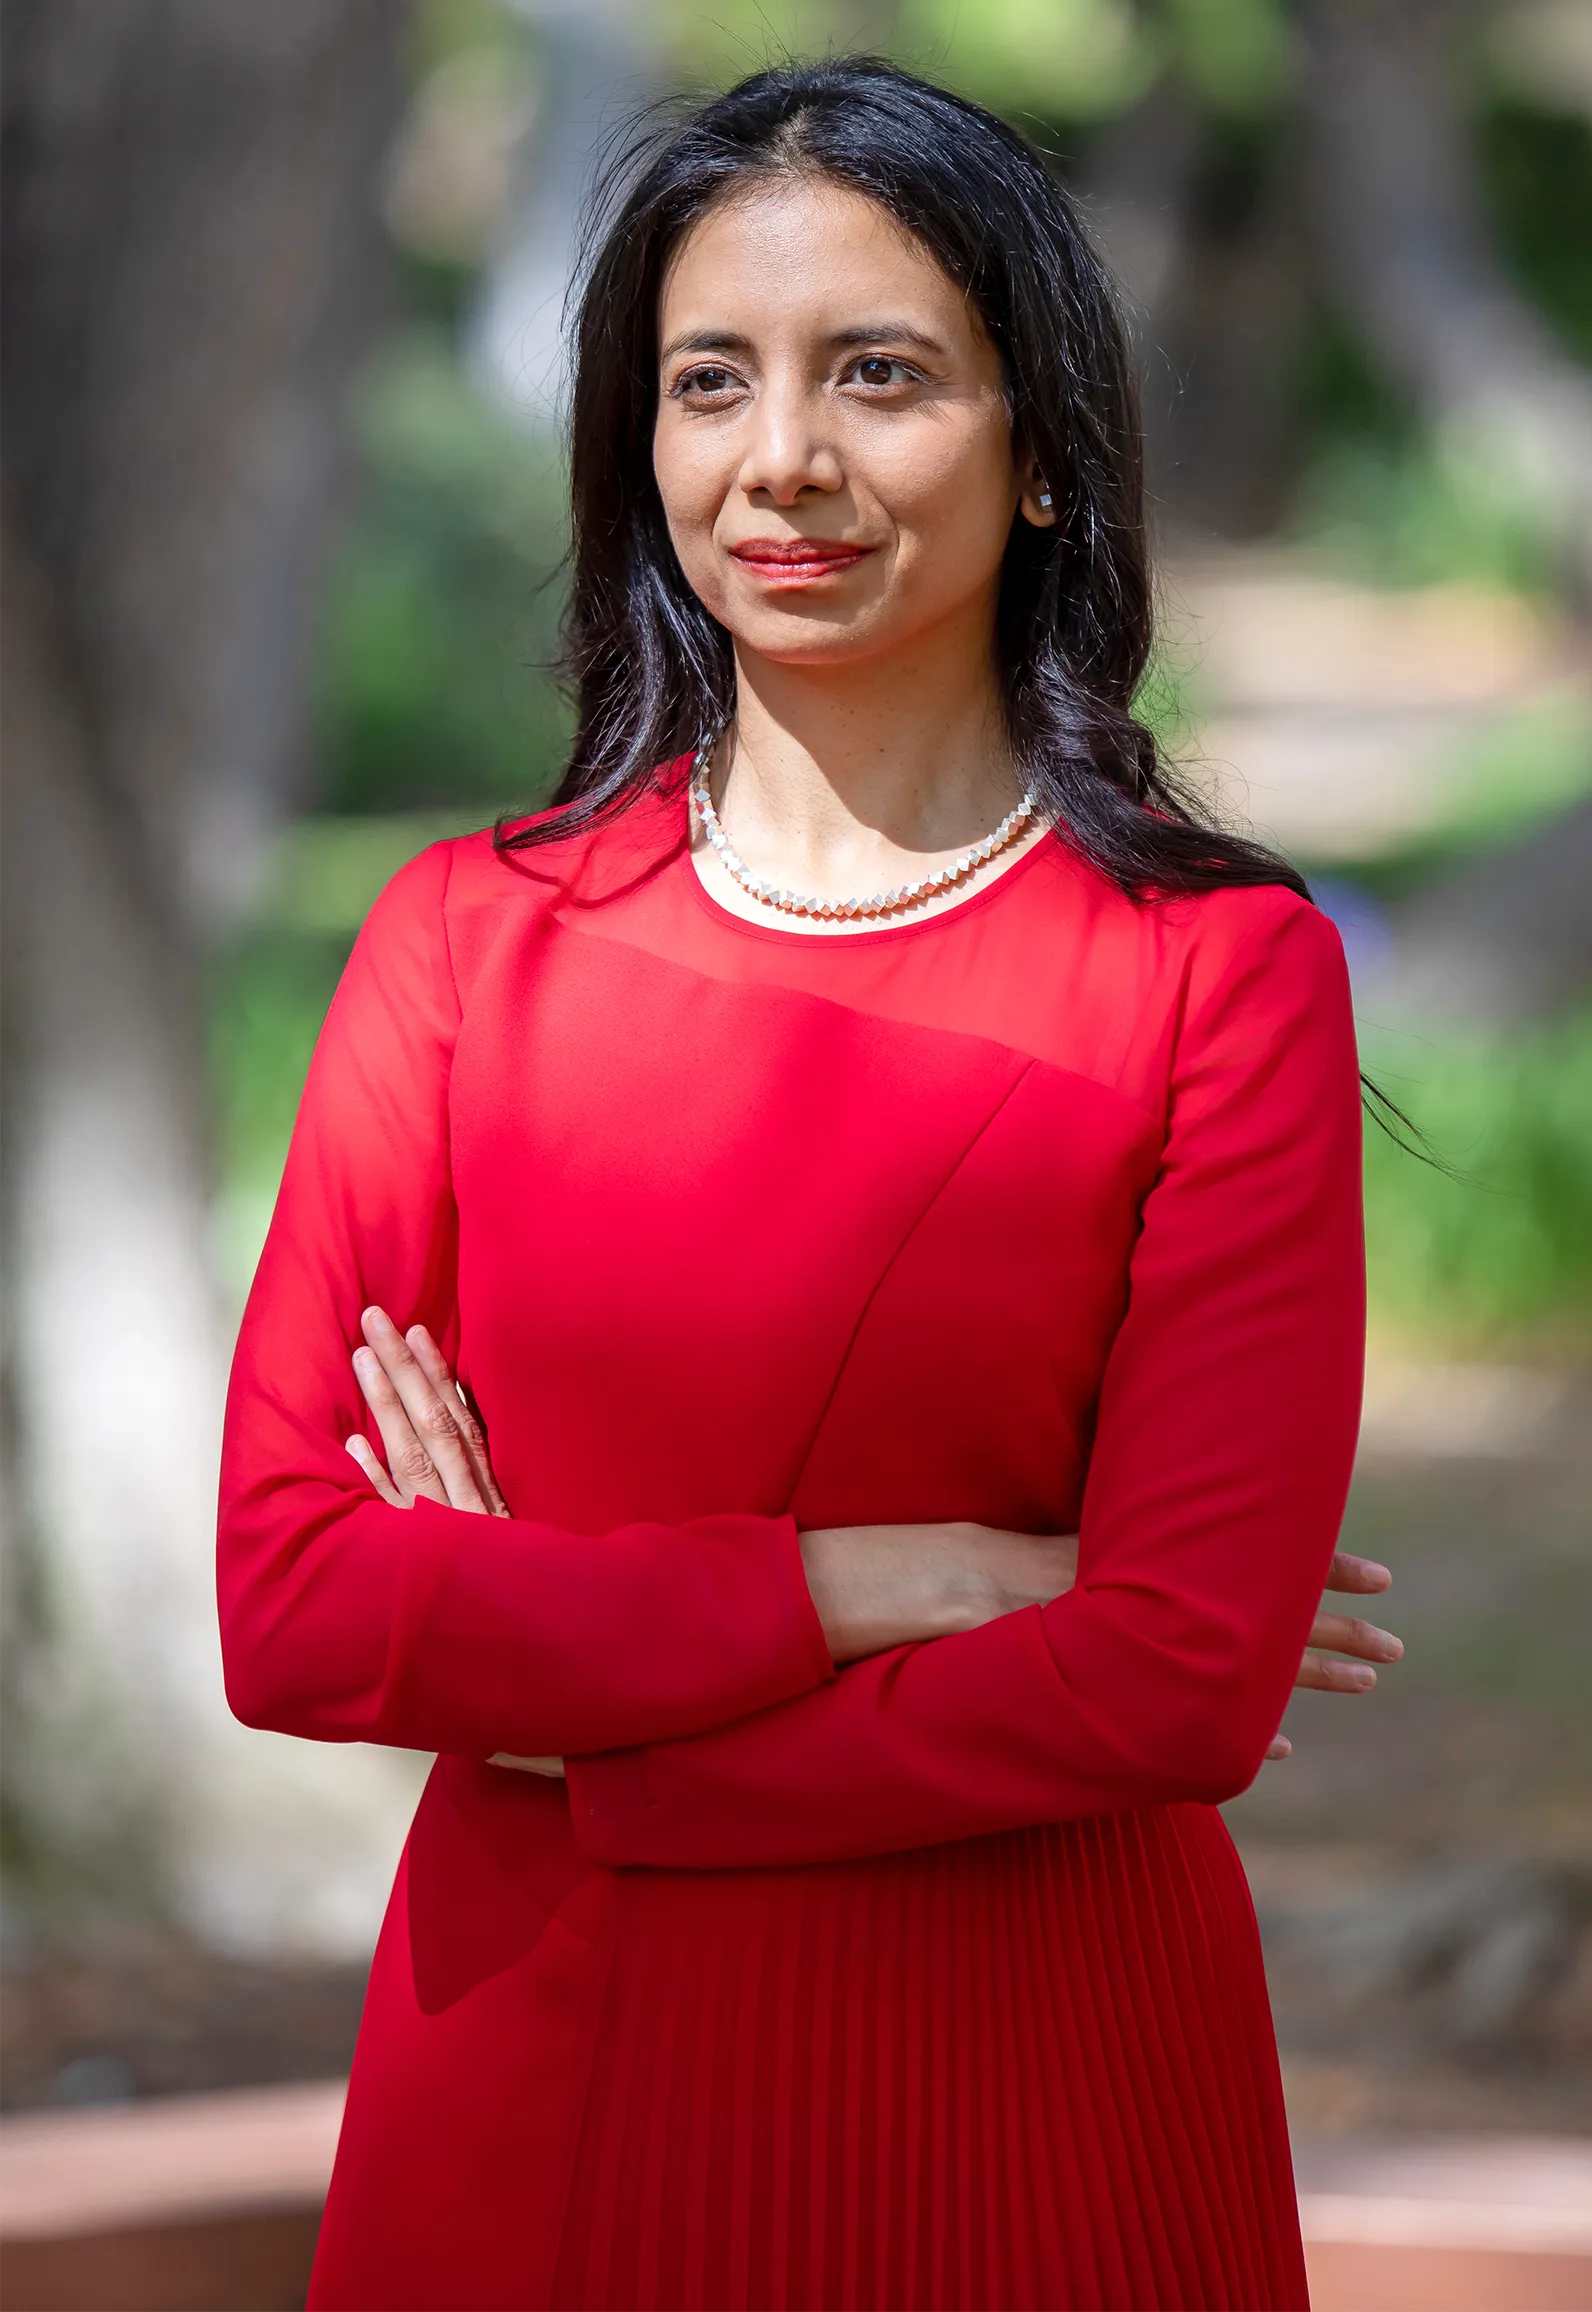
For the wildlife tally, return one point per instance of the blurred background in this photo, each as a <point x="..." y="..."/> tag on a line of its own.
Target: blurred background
<point x="282" y="539"/>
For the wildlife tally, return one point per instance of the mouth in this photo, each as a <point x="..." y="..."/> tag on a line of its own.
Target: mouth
<point x="797" y="561"/>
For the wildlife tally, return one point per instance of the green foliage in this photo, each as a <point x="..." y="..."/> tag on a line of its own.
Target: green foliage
<point x="441" y="619"/>
<point x="1392" y="501"/>
<point x="1421" y="510"/>
<point x="440" y="30"/>
<point x="1236" y="55"/>
<point x="1514" y="770"/>
<point x="1072" y="60"/>
<point x="1499" y="1249"/>
<point x="714" y="47"/>
<point x="268" y="1000"/>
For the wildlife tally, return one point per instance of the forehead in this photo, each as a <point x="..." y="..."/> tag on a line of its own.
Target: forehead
<point x="805" y="250"/>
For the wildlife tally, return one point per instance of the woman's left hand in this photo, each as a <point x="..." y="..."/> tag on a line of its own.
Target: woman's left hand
<point x="1345" y="1634"/>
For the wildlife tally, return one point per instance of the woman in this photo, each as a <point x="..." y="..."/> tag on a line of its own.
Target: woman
<point x="840" y="1165"/>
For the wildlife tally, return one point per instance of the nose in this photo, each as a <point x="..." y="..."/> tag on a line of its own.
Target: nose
<point x="788" y="448"/>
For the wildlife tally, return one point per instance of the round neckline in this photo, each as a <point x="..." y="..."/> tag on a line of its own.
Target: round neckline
<point x="885" y="932"/>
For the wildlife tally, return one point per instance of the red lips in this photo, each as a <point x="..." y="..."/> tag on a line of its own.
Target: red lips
<point x="797" y="561"/>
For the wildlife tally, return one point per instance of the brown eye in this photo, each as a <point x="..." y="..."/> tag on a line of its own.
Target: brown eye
<point x="882" y="369"/>
<point x="710" y="379"/>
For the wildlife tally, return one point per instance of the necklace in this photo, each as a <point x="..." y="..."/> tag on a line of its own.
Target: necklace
<point x="883" y="902"/>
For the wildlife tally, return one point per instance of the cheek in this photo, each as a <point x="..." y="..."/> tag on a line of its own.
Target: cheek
<point x="953" y="496"/>
<point x="692" y="489"/>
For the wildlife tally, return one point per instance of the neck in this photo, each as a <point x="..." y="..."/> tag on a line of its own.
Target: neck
<point x="829" y="763"/>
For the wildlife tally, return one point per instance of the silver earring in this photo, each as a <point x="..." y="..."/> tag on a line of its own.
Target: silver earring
<point x="1044" y="498"/>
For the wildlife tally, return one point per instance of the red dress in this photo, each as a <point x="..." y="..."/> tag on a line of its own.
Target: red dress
<point x="934" y="1982"/>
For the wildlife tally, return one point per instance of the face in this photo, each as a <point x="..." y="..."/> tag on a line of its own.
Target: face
<point x="832" y="444"/>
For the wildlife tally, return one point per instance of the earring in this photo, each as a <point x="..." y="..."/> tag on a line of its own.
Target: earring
<point x="1044" y="499"/>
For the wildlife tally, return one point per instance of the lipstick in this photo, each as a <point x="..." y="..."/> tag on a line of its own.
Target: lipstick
<point x="797" y="561"/>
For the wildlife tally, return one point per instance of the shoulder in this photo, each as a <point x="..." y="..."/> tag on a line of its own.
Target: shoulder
<point x="1265" y="1000"/>
<point x="1262" y="936"/>
<point x="1141" y="986"/>
<point x="1180" y="949"/>
<point x="459" y="896"/>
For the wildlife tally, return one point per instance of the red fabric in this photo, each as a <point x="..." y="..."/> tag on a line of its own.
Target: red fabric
<point x="1043" y="1213"/>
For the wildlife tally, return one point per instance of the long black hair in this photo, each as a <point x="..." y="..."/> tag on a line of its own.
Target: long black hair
<point x="653" y="671"/>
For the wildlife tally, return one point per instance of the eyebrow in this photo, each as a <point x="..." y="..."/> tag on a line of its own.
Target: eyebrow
<point x="863" y="333"/>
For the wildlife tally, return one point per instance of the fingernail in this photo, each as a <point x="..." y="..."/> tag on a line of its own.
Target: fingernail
<point x="1362" y="1677"/>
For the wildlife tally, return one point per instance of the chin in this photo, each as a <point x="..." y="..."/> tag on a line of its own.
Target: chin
<point x="811" y="642"/>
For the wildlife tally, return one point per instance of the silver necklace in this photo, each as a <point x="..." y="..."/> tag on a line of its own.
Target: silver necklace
<point x="883" y="902"/>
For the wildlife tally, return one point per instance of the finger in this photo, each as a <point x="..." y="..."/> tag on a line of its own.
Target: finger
<point x="430" y="1417"/>
<point x="553" y="1768"/>
<point x="1279" y="1747"/>
<point x="409" y="1464"/>
<point x="374" y="1472"/>
<point x="434" y="1365"/>
<point x="1360" y="1576"/>
<point x="1348" y="1634"/>
<point x="1320" y="1674"/>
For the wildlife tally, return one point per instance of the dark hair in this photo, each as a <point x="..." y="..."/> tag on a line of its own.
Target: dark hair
<point x="653" y="670"/>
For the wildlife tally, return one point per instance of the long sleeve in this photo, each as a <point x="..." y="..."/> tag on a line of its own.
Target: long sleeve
<point x="346" y="1619"/>
<point x="1222" y="1453"/>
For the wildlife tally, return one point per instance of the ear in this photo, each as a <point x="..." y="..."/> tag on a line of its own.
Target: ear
<point x="1036" y="500"/>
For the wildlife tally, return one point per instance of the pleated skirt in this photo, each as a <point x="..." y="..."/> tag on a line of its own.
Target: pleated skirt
<point x="1022" y="2071"/>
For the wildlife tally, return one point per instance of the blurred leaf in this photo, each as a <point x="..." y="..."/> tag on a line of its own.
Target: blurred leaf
<point x="328" y="873"/>
<point x="1518" y="768"/>
<point x="440" y="30"/>
<point x="716" y="46"/>
<point x="1503" y="1251"/>
<point x="1236" y="55"/>
<point x="1413" y="508"/>
<point x="1061" y="59"/>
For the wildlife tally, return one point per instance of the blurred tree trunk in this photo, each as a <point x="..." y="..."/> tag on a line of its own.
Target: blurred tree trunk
<point x="190" y="253"/>
<point x="1404" y="234"/>
<point x="1199" y="220"/>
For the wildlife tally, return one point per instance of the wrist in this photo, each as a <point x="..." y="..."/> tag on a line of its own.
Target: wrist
<point x="876" y="1587"/>
<point x="831" y="1584"/>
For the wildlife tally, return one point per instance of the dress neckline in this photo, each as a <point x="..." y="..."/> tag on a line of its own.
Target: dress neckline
<point x="874" y="937"/>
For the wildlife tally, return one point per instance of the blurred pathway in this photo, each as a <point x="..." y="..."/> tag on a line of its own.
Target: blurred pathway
<point x="210" y="2204"/>
<point x="1342" y="721"/>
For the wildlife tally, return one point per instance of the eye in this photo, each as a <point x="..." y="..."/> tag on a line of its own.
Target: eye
<point x="882" y="369"/>
<point x="708" y="381"/>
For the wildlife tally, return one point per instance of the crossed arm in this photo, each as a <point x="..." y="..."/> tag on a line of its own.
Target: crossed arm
<point x="873" y="1587"/>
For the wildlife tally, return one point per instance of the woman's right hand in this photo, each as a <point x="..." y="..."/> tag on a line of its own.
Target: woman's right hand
<point x="877" y="1586"/>
<point x="434" y="1444"/>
